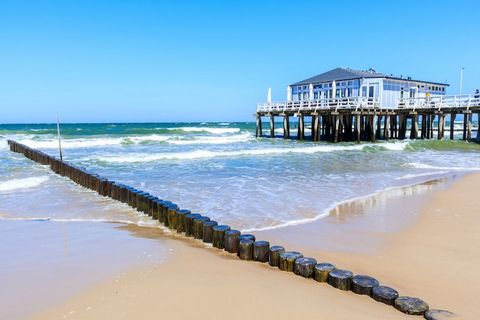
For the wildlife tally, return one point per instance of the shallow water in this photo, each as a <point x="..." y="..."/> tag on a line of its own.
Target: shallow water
<point x="218" y="169"/>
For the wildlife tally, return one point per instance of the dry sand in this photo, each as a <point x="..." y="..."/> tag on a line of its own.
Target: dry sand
<point x="435" y="258"/>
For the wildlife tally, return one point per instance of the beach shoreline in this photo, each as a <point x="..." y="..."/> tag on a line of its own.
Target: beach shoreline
<point x="211" y="279"/>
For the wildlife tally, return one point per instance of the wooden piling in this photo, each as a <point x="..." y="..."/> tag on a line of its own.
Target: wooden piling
<point x="261" y="251"/>
<point x="286" y="126"/>
<point x="258" y="132"/>
<point x="414" y="129"/>
<point x="272" y="125"/>
<point x="301" y="127"/>
<point x="452" y="125"/>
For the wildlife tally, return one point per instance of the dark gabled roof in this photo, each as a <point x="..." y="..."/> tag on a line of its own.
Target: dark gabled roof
<point x="350" y="74"/>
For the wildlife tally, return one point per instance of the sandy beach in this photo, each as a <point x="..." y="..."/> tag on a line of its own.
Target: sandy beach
<point x="433" y="258"/>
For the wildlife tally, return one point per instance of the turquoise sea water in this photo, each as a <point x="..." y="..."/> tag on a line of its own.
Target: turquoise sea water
<point x="218" y="169"/>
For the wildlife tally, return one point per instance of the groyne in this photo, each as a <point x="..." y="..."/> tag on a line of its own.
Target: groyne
<point x="222" y="237"/>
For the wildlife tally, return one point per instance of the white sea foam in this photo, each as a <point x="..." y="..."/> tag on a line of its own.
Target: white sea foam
<point x="206" y="154"/>
<point x="24" y="183"/>
<point x="419" y="165"/>
<point x="72" y="143"/>
<point x="207" y="129"/>
<point x="214" y="140"/>
<point x="419" y="175"/>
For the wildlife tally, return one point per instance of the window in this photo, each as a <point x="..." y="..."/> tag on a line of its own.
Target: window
<point x="315" y="95"/>
<point x="364" y="91"/>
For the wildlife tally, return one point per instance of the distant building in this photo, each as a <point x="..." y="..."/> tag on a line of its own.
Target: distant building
<point x="346" y="83"/>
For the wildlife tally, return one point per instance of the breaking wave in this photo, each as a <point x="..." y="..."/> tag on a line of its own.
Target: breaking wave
<point x="24" y="183"/>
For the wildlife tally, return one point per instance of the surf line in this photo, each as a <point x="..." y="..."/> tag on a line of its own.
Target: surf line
<point x="246" y="246"/>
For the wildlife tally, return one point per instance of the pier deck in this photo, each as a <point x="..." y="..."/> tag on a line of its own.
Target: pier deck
<point x="364" y="119"/>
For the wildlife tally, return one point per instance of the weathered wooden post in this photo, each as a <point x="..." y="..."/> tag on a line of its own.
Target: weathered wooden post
<point x="232" y="238"/>
<point x="414" y="129"/>
<point x="315" y="127"/>
<point x="287" y="260"/>
<point x="441" y="125"/>
<point x="286" y="126"/>
<point x="208" y="231"/>
<point x="197" y="228"/>
<point x="336" y="120"/>
<point x="189" y="223"/>
<point x="219" y="236"/>
<point x="181" y="214"/>
<point x="274" y="255"/>
<point x="261" y="251"/>
<point x="272" y="125"/>
<point x="245" y="249"/>
<point x="340" y="279"/>
<point x="304" y="267"/>
<point x="363" y="284"/>
<point x="465" y="121"/>
<point x="469" y="126"/>
<point x="301" y="127"/>
<point x="453" y="116"/>
<point x="357" y="127"/>
<point x="386" y="129"/>
<point x="384" y="294"/>
<point x="373" y="126"/>
<point x="423" y="131"/>
<point x="409" y="305"/>
<point x="258" y="131"/>
<point x="322" y="270"/>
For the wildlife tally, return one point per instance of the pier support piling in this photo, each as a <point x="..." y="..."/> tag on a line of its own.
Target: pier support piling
<point x="452" y="125"/>
<point x="258" y="132"/>
<point x="272" y="126"/>
<point x="286" y="126"/>
<point x="301" y="127"/>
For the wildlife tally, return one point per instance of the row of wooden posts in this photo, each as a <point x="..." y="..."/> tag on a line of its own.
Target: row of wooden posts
<point x="201" y="227"/>
<point x="370" y="126"/>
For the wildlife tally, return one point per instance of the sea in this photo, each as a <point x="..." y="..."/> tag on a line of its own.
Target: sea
<point x="219" y="169"/>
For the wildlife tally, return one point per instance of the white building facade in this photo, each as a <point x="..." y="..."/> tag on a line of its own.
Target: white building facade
<point x="348" y="83"/>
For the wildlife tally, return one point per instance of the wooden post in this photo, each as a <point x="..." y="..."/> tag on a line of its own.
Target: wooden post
<point x="427" y="126"/>
<point x="423" y="131"/>
<point x="440" y="126"/>
<point x="337" y="126"/>
<point x="379" y="126"/>
<point x="452" y="125"/>
<point x="286" y="126"/>
<point x="432" y="119"/>
<point x="272" y="125"/>
<point x="386" y="131"/>
<point x="465" y="120"/>
<point x="414" y="129"/>
<point x="301" y="127"/>
<point x="373" y="126"/>
<point x="259" y="127"/>
<point x="357" y="127"/>
<point x="469" y="126"/>
<point x="315" y="127"/>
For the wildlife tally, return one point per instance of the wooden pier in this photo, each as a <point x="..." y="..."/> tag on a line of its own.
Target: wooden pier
<point x="364" y="119"/>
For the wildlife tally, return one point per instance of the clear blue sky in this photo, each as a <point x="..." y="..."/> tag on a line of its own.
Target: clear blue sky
<point x="109" y="61"/>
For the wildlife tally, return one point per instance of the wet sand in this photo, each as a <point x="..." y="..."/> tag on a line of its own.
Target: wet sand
<point x="432" y="256"/>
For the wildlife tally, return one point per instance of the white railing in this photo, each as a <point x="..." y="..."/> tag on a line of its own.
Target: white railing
<point x="465" y="101"/>
<point x="318" y="104"/>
